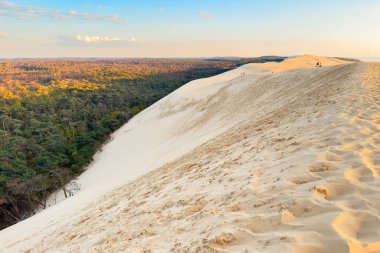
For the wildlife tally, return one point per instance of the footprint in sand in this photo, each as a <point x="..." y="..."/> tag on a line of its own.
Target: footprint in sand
<point x="322" y="167"/>
<point x="360" y="230"/>
<point x="255" y="183"/>
<point x="360" y="175"/>
<point x="304" y="179"/>
<point x="334" y="190"/>
<point x="330" y="156"/>
<point x="368" y="158"/>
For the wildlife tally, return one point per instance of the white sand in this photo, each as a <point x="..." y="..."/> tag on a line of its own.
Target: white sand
<point x="261" y="162"/>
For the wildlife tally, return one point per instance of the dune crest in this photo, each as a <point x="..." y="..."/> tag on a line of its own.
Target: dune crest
<point x="260" y="162"/>
<point x="305" y="61"/>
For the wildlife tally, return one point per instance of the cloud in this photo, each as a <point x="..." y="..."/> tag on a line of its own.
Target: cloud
<point x="86" y="16"/>
<point x="205" y="14"/>
<point x="3" y="35"/>
<point x="8" y="8"/>
<point x="95" y="39"/>
<point x="81" y="40"/>
<point x="8" y="4"/>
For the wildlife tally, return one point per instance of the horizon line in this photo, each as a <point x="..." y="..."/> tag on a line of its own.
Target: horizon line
<point x="170" y="57"/>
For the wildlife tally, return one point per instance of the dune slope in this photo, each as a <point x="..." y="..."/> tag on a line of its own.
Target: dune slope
<point x="254" y="162"/>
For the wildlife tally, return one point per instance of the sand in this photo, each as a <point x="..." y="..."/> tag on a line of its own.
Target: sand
<point x="305" y="61"/>
<point x="257" y="162"/>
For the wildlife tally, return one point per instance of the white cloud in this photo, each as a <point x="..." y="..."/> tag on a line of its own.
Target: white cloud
<point x="3" y="35"/>
<point x="97" y="39"/>
<point x="205" y="14"/>
<point x="8" y="8"/>
<point x="8" y="4"/>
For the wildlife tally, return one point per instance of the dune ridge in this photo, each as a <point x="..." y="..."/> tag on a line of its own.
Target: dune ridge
<point x="293" y="168"/>
<point x="305" y="61"/>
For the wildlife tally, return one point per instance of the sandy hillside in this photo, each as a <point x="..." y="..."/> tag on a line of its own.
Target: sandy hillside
<point x="247" y="161"/>
<point x="305" y="61"/>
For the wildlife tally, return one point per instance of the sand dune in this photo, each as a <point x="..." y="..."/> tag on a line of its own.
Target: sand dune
<point x="287" y="161"/>
<point x="305" y="61"/>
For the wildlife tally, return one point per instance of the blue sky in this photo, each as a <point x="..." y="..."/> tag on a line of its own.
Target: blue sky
<point x="184" y="28"/>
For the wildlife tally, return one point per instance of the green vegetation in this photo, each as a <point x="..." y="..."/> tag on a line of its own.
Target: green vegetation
<point x="54" y="115"/>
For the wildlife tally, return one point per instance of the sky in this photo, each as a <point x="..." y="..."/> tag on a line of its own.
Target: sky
<point x="189" y="28"/>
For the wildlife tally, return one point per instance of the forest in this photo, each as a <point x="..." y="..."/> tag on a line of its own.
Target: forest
<point x="56" y="113"/>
